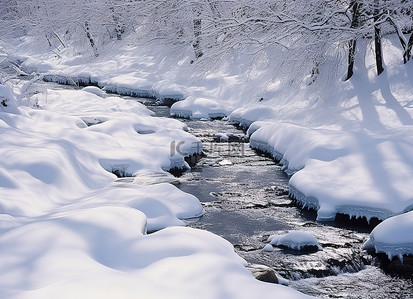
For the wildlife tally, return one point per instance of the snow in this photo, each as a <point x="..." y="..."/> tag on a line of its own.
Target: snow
<point x="7" y="100"/>
<point x="348" y="146"/>
<point x="70" y="228"/>
<point x="95" y="90"/>
<point x="221" y="137"/>
<point x="225" y="162"/>
<point x="297" y="240"/>
<point x="198" y="108"/>
<point x="268" y="248"/>
<point x="169" y="90"/>
<point x="393" y="237"/>
<point x="128" y="85"/>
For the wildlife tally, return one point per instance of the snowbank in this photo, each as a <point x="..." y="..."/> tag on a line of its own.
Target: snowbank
<point x="355" y="173"/>
<point x="122" y="77"/>
<point x="102" y="253"/>
<point x="349" y="149"/>
<point x="393" y="237"/>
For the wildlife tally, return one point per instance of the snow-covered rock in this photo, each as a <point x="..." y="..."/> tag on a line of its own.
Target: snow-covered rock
<point x="93" y="89"/>
<point x="7" y="100"/>
<point x="222" y="137"/>
<point x="168" y="90"/>
<point x="197" y="108"/>
<point x="297" y="240"/>
<point x="393" y="237"/>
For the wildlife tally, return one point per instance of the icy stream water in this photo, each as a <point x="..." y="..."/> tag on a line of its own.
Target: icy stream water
<point x="245" y="198"/>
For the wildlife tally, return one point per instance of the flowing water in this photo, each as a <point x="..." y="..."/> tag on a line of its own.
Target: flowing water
<point x="245" y="198"/>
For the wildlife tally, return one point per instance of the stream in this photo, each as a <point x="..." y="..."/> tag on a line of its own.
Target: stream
<point x="245" y="199"/>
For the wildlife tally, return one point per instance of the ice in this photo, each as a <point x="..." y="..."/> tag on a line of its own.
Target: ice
<point x="297" y="240"/>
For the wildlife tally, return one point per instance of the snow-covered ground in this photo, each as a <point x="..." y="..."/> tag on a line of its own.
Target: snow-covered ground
<point x="70" y="228"/>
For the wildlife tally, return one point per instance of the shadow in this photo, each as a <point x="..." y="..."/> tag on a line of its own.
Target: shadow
<point x="363" y="90"/>
<point x="391" y="101"/>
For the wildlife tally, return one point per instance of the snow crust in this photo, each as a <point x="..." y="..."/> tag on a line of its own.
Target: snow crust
<point x="297" y="240"/>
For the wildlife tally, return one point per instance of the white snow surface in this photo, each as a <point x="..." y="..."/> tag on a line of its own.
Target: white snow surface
<point x="69" y="228"/>
<point x="296" y="240"/>
<point x="393" y="236"/>
<point x="199" y="108"/>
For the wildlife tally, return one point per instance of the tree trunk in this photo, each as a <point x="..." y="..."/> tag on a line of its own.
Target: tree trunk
<point x="378" y="50"/>
<point x="197" y="32"/>
<point x="355" y="9"/>
<point x="91" y="40"/>
<point x="408" y="53"/>
<point x="399" y="33"/>
<point x="351" y="56"/>
<point x="377" y="42"/>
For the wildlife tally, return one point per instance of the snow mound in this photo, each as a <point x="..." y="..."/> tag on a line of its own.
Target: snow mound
<point x="223" y="137"/>
<point x="245" y="116"/>
<point x="297" y="240"/>
<point x="93" y="89"/>
<point x="198" y="108"/>
<point x="393" y="237"/>
<point x="167" y="90"/>
<point x="8" y="102"/>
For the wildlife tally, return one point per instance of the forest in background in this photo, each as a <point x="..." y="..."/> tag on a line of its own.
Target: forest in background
<point x="297" y="38"/>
